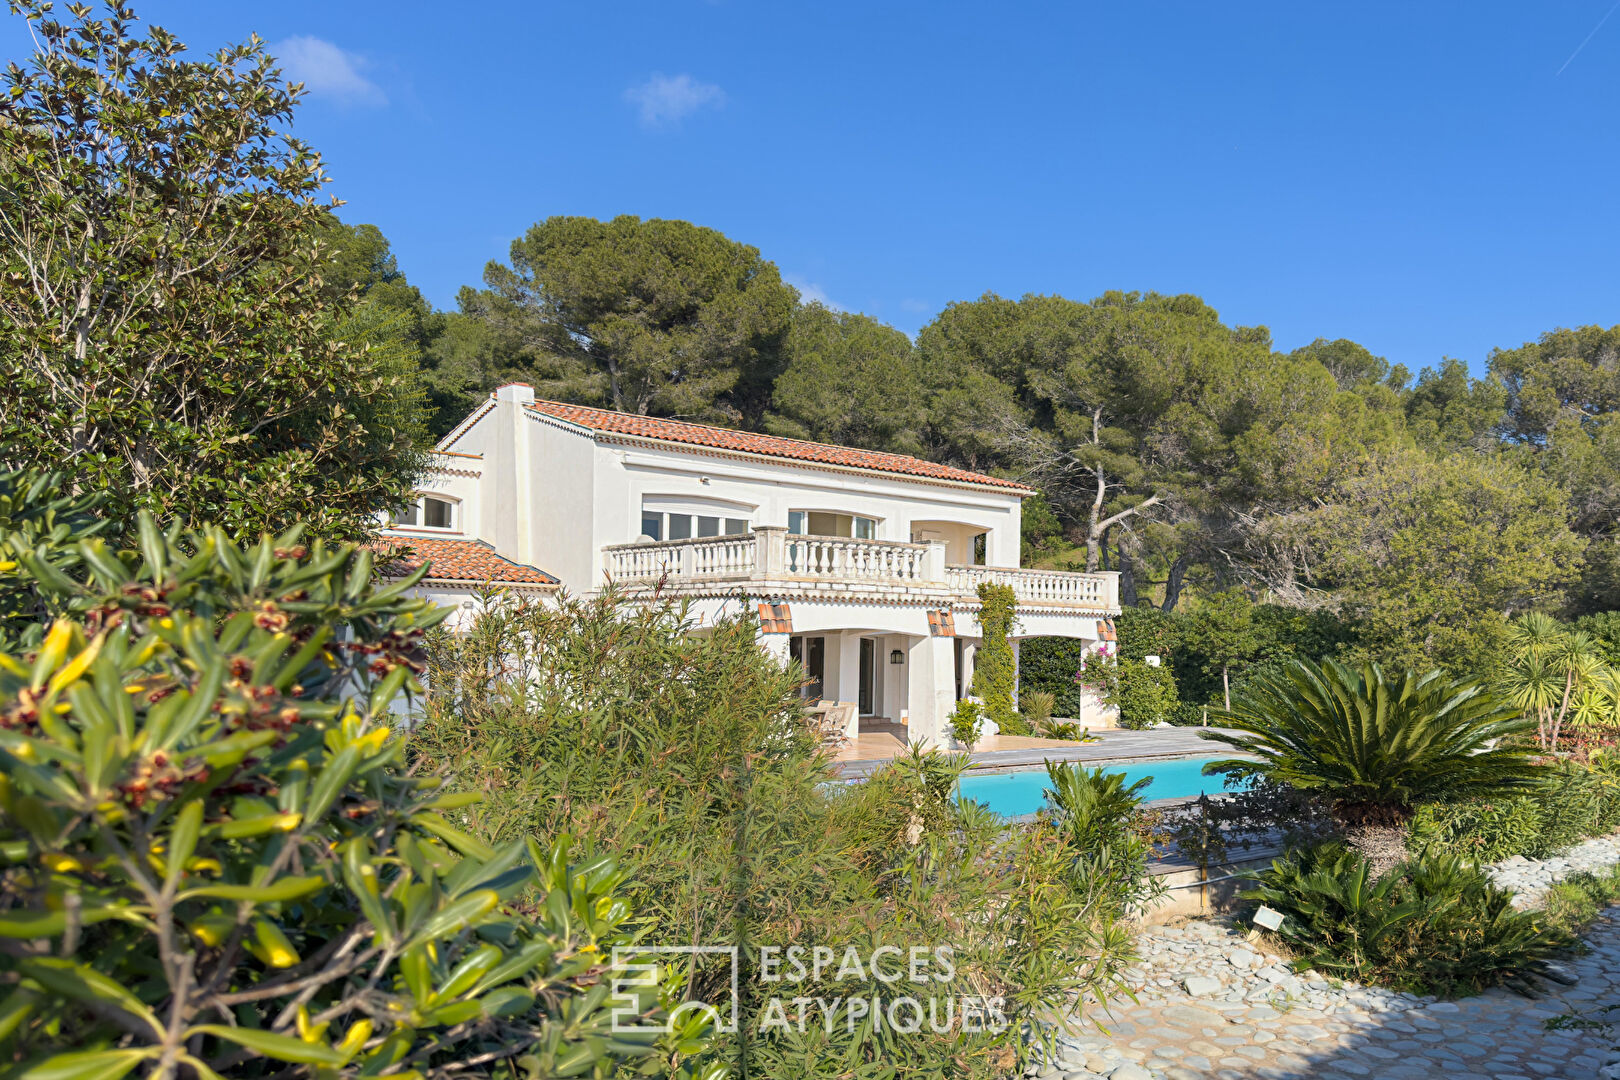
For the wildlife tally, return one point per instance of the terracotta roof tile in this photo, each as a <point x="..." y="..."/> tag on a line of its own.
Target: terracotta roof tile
<point x="680" y="431"/>
<point x="455" y="560"/>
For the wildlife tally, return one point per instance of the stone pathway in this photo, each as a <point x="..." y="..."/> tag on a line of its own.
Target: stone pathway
<point x="1213" y="1006"/>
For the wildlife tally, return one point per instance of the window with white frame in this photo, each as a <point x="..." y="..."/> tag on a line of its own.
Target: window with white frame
<point x="821" y="523"/>
<point x="666" y="518"/>
<point x="429" y="512"/>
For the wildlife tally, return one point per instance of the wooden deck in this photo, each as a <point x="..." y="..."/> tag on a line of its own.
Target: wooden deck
<point x="871" y="750"/>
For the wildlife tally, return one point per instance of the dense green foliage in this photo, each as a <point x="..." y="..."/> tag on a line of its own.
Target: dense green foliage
<point x="169" y="337"/>
<point x="659" y="317"/>
<point x="1377" y="746"/>
<point x="995" y="669"/>
<point x="1432" y="925"/>
<point x="967" y="721"/>
<point x="690" y="756"/>
<point x="1097" y="813"/>
<point x="212" y="862"/>
<point x="1574" y="902"/>
<point x="1579" y="800"/>
<point x="1181" y="639"/>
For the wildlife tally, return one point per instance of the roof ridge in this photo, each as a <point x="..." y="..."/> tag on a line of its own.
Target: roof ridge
<point x="735" y="439"/>
<point x="738" y="431"/>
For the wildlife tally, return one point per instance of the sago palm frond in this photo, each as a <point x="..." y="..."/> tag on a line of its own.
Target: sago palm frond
<point x="1377" y="745"/>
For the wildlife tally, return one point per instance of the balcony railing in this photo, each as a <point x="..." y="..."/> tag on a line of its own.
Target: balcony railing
<point x="773" y="558"/>
<point x="1039" y="586"/>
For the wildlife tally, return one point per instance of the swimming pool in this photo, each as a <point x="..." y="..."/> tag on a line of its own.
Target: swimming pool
<point x="1015" y="793"/>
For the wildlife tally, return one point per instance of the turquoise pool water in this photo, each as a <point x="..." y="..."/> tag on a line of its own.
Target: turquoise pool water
<point x="1016" y="793"/>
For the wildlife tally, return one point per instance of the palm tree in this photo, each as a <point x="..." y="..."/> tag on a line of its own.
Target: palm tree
<point x="1533" y="687"/>
<point x="1377" y="746"/>
<point x="1576" y="656"/>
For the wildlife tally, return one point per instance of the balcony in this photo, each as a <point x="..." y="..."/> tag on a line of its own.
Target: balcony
<point x="769" y="561"/>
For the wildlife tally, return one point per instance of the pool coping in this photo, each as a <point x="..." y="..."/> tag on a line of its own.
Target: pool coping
<point x="1091" y="753"/>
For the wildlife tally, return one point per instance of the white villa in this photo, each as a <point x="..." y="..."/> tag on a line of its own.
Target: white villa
<point x="864" y="566"/>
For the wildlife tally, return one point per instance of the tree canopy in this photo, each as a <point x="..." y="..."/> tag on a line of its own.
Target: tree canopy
<point x="170" y="337"/>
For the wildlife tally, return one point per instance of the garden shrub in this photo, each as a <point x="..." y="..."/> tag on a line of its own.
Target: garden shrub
<point x="1144" y="695"/>
<point x="966" y="723"/>
<point x="212" y="863"/>
<point x="1485" y="830"/>
<point x="1572" y="808"/>
<point x="1574" y="902"/>
<point x="1037" y="708"/>
<point x="690" y="754"/>
<point x="1435" y="924"/>
<point x="1097" y="814"/>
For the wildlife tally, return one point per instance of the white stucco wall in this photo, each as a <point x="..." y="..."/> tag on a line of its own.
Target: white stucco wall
<point x="579" y="492"/>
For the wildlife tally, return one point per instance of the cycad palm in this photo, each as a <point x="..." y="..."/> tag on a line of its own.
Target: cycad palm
<point x="1377" y="746"/>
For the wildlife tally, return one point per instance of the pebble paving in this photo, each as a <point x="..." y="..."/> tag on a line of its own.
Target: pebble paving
<point x="1213" y="1005"/>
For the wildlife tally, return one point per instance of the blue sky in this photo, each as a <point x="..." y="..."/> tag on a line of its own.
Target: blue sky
<point x="1429" y="179"/>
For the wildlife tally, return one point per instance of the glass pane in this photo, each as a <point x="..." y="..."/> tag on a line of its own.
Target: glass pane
<point x="865" y="528"/>
<point x="680" y="526"/>
<point x="652" y="525"/>
<point x="981" y="548"/>
<point x="822" y="524"/>
<point x="406" y="516"/>
<point x="736" y="526"/>
<point x="796" y="521"/>
<point x="437" y="513"/>
<point x="708" y="526"/>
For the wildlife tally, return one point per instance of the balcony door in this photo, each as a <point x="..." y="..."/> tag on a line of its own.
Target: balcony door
<point x="868" y="681"/>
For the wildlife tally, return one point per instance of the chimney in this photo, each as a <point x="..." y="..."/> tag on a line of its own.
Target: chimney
<point x="522" y="393"/>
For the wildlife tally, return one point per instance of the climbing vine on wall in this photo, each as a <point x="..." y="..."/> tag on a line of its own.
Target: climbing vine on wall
<point x="994" y="673"/>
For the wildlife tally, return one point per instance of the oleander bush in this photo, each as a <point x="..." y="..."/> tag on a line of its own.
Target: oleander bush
<point x="1096" y="812"/>
<point x="691" y="755"/>
<point x="1434" y="924"/>
<point x="1578" y="800"/>
<point x="212" y="862"/>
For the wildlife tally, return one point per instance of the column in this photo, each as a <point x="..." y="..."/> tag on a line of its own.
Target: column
<point x="777" y="646"/>
<point x="1015" y="642"/>
<point x="930" y="688"/>
<point x="848" y="666"/>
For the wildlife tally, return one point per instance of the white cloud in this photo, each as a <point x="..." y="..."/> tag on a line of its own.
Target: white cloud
<point x="812" y="293"/>
<point x="327" y="71"/>
<point x="665" y="99"/>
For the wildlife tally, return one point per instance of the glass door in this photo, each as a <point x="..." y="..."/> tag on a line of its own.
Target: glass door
<point x="868" y="675"/>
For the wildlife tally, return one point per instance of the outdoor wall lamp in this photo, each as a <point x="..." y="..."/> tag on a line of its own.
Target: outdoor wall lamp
<point x="897" y="657"/>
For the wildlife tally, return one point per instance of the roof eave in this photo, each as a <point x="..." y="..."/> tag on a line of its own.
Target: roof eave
<point x="600" y="435"/>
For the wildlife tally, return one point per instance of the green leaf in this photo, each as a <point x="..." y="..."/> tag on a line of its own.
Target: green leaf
<point x="32" y="924"/>
<point x="292" y="888"/>
<point x="332" y="780"/>
<point x="91" y="1065"/>
<point x="280" y="1047"/>
<point x="462" y="842"/>
<point x="457" y="915"/>
<point x="183" y="841"/>
<point x="85" y="984"/>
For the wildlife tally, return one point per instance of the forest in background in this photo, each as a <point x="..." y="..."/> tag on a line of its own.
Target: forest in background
<point x="1418" y="512"/>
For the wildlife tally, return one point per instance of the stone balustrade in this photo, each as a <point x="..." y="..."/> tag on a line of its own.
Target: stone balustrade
<point x="773" y="558"/>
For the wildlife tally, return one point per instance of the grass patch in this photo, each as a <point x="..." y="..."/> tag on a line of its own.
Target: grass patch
<point x="1573" y="903"/>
